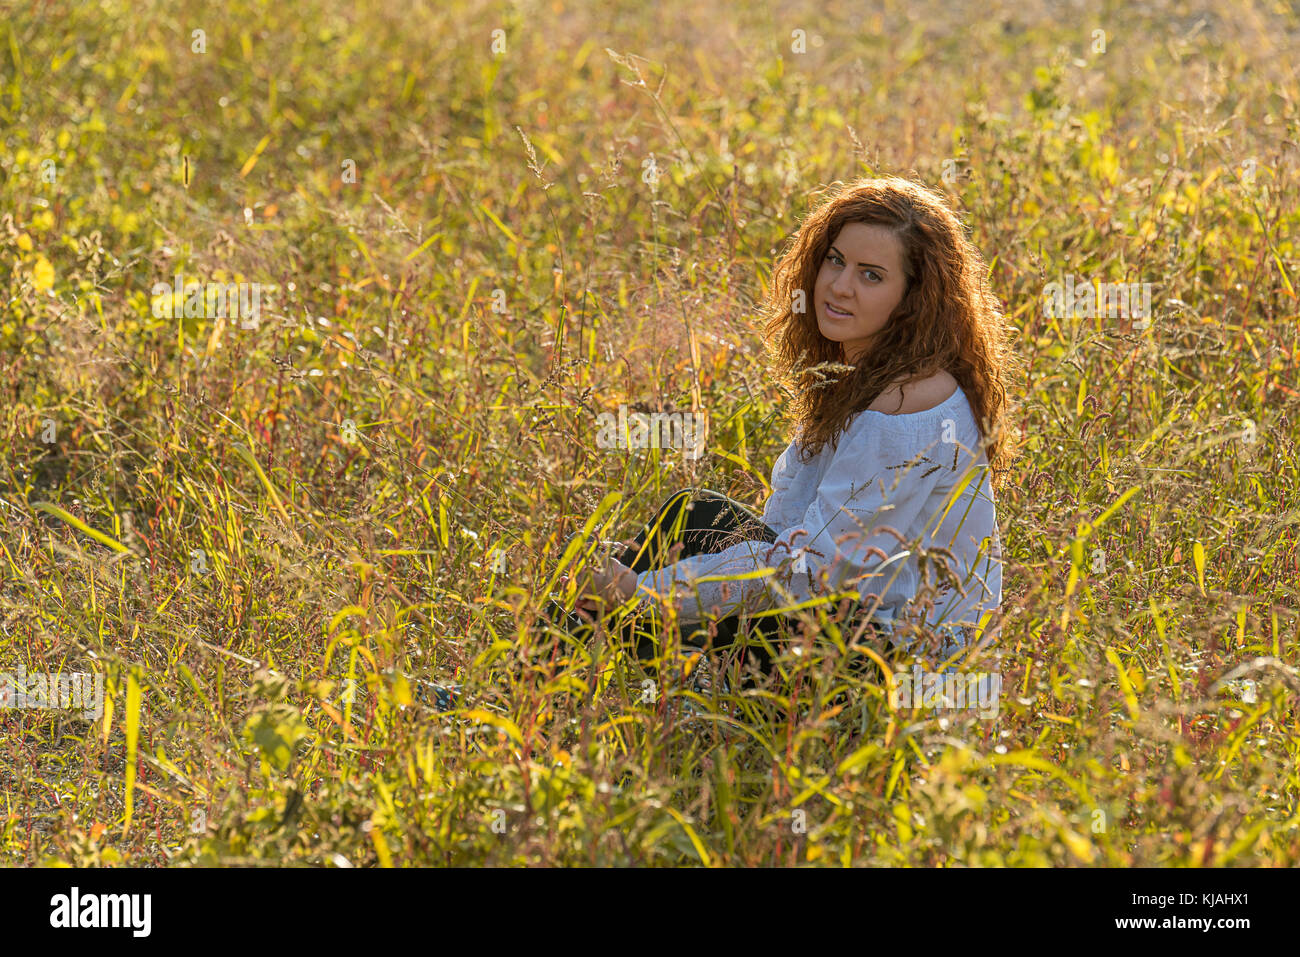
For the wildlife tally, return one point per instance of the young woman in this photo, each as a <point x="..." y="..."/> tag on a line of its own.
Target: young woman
<point x="882" y="320"/>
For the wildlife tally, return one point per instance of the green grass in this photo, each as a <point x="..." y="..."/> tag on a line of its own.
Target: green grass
<point x="186" y="509"/>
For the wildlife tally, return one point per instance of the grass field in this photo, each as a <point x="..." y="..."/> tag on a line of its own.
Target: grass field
<point x="474" y="227"/>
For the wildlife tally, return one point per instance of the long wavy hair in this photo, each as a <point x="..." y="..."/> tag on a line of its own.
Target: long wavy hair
<point x="947" y="319"/>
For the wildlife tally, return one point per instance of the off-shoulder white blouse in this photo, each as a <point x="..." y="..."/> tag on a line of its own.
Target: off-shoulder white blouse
<point x="921" y="473"/>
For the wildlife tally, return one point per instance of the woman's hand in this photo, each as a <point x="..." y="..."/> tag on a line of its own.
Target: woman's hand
<point x="612" y="585"/>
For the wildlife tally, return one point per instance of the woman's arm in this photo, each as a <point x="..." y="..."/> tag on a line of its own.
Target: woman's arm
<point x="878" y="478"/>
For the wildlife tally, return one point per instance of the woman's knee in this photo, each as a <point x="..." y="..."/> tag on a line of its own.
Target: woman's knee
<point x="688" y="497"/>
<point x="678" y="500"/>
<point x="682" y="500"/>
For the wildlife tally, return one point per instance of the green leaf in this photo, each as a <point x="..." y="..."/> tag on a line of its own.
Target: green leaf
<point x="276" y="731"/>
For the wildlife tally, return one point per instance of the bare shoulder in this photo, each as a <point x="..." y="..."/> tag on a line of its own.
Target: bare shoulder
<point x="917" y="395"/>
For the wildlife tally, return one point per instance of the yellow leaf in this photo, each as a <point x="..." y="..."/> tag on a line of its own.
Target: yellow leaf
<point x="381" y="847"/>
<point x="1198" y="558"/>
<point x="858" y="759"/>
<point x="691" y="835"/>
<point x="247" y="456"/>
<point x="132" y="744"/>
<point x="25" y="243"/>
<point x="1125" y="685"/>
<point x="1079" y="846"/>
<point x="902" y="822"/>
<point x="257" y="153"/>
<point x="500" y="225"/>
<point x="42" y="274"/>
<point x="501" y="724"/>
<point x="1118" y="502"/>
<point x="81" y="526"/>
<point x="402" y="691"/>
<point x="422" y="247"/>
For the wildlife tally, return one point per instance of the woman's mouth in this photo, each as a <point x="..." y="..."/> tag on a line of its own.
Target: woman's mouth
<point x="837" y="313"/>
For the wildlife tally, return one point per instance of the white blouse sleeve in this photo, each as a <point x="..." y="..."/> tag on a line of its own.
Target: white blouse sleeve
<point x="776" y="511"/>
<point x="877" y="477"/>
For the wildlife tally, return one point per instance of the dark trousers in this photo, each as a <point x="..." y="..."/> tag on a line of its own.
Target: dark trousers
<point x="703" y="522"/>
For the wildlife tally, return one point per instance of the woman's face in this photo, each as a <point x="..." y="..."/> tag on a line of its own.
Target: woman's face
<point x="862" y="275"/>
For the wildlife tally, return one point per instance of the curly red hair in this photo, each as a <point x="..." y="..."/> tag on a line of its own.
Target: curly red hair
<point x="947" y="319"/>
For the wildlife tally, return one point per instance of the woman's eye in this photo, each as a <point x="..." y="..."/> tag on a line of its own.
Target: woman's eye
<point x="870" y="273"/>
